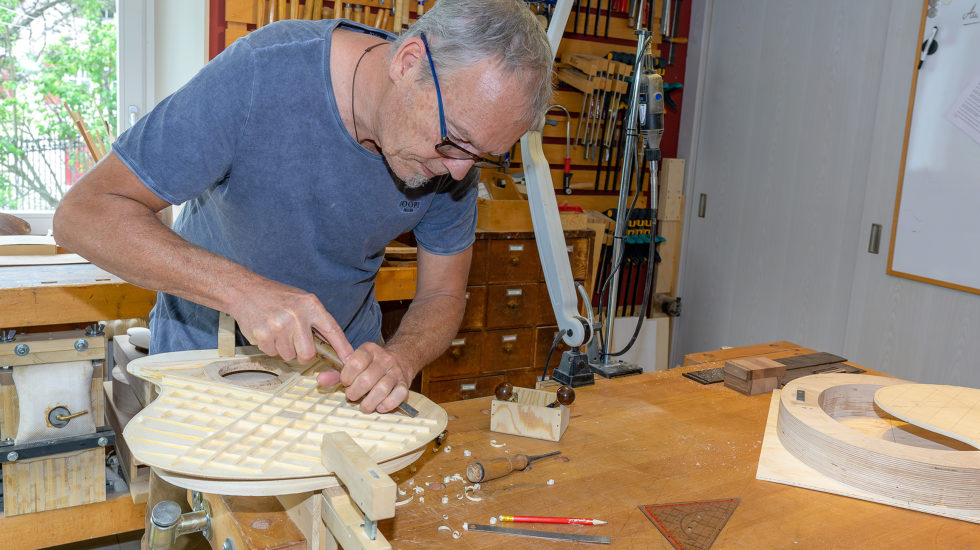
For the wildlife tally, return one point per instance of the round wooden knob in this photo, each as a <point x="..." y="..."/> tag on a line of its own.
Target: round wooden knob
<point x="565" y="395"/>
<point x="456" y="352"/>
<point x="512" y="305"/>
<point x="508" y="348"/>
<point x="504" y="391"/>
<point x="515" y="260"/>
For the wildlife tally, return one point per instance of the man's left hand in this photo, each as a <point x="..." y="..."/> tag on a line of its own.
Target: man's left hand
<point x="375" y="376"/>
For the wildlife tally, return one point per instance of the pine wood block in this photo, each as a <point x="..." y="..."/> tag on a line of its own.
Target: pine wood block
<point x="530" y="415"/>
<point x="305" y="509"/>
<point x="345" y="522"/>
<point x="369" y="486"/>
<point x="242" y="11"/>
<point x="51" y="347"/>
<point x="59" y="481"/>
<point x="27" y="245"/>
<point x="670" y="201"/>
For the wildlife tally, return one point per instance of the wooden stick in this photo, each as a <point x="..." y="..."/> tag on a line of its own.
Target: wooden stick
<point x="93" y="149"/>
<point x="317" y="9"/>
<point x="294" y="9"/>
<point x="308" y="9"/>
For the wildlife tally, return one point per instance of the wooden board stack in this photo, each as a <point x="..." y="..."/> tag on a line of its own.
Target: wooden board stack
<point x="753" y="375"/>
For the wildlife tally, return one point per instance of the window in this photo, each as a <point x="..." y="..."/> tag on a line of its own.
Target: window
<point x="57" y="77"/>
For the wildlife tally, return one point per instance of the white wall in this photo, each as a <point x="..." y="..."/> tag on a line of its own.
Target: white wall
<point x="794" y="128"/>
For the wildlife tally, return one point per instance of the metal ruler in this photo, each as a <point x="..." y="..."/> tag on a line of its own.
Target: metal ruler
<point x="550" y="535"/>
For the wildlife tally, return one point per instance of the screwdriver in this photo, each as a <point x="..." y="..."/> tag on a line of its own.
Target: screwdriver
<point x="500" y="466"/>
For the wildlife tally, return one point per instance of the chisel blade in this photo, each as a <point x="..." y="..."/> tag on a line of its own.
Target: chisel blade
<point x="550" y="535"/>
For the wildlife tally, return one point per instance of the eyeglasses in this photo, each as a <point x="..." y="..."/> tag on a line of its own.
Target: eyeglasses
<point x="446" y="147"/>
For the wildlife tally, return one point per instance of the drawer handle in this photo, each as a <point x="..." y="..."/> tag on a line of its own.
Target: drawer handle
<point x="508" y="347"/>
<point x="456" y="352"/>
<point x="467" y="387"/>
<point x="515" y="260"/>
<point x="512" y="304"/>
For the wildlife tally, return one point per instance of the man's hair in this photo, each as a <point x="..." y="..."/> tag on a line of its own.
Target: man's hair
<point x="463" y="32"/>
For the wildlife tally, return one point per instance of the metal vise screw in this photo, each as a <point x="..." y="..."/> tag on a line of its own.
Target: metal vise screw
<point x="167" y="523"/>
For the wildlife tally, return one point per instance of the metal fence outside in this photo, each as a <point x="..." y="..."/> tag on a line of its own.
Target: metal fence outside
<point x="37" y="179"/>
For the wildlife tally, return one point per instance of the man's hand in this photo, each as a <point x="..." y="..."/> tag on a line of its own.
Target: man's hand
<point x="375" y="376"/>
<point x="278" y="319"/>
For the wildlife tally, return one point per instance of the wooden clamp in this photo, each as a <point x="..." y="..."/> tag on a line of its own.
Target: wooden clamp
<point x="351" y="516"/>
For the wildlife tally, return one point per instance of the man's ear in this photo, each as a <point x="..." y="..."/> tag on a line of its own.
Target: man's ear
<point x="407" y="58"/>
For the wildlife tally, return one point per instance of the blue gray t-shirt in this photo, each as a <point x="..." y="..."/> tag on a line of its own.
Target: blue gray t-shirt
<point x="255" y="145"/>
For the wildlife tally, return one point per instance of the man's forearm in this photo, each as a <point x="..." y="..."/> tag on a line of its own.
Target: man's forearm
<point x="151" y="255"/>
<point x="426" y="330"/>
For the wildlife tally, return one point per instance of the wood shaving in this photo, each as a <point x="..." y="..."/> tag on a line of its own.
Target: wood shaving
<point x="406" y="501"/>
<point x="474" y="499"/>
<point x="445" y="528"/>
<point x="456" y="534"/>
<point x="493" y="443"/>
<point x="449" y="448"/>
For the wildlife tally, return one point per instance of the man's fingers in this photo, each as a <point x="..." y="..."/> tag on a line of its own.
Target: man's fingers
<point x="334" y="335"/>
<point x="395" y="398"/>
<point x="386" y="390"/>
<point x="328" y="378"/>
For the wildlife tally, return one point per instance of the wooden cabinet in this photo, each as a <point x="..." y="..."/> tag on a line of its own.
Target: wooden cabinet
<point x="509" y="324"/>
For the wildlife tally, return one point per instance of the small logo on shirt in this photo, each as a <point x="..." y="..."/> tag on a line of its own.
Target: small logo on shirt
<point x="408" y="207"/>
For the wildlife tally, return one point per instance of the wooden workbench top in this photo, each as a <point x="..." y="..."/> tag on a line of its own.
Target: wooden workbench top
<point x="655" y="438"/>
<point x="83" y="293"/>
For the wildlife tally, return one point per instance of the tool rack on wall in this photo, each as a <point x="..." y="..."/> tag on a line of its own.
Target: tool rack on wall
<point x="595" y="30"/>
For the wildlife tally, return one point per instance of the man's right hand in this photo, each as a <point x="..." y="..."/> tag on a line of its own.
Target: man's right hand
<point x="278" y="320"/>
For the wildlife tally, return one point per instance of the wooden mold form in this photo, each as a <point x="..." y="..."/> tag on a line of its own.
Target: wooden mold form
<point x="209" y="424"/>
<point x="529" y="415"/>
<point x="824" y="432"/>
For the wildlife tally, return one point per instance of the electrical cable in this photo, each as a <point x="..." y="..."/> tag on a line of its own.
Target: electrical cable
<point x="554" y="344"/>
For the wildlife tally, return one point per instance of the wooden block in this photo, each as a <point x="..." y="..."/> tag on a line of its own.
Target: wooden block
<point x="369" y="486"/>
<point x="735" y="353"/>
<point x="59" y="481"/>
<point x="136" y="473"/>
<point x="670" y="200"/>
<point x="345" y="522"/>
<point x="809" y="360"/>
<point x="27" y="245"/>
<point x="51" y="347"/>
<point x="242" y="11"/>
<point x="530" y="416"/>
<point x="305" y="509"/>
<point x="254" y="522"/>
<point x="226" y="335"/>
<point x="754" y="368"/>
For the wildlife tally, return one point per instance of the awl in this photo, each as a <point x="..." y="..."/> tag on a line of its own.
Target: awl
<point x="326" y="352"/>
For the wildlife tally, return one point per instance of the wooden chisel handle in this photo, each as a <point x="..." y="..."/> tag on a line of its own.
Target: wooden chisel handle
<point x="495" y="467"/>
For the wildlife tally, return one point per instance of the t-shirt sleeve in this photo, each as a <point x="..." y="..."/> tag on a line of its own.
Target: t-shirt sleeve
<point x="448" y="226"/>
<point x="187" y="142"/>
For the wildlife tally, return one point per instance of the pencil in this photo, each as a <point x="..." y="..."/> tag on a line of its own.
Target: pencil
<point x="540" y="519"/>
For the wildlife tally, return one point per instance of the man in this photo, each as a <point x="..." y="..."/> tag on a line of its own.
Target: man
<point x="300" y="152"/>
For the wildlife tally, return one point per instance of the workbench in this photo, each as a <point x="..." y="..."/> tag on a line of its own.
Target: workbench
<point x="654" y="438"/>
<point x="83" y="293"/>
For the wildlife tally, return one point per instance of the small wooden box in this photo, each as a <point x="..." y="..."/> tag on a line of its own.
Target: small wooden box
<point x="530" y="415"/>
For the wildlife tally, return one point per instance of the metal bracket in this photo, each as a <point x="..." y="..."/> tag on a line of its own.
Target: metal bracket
<point x="102" y="437"/>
